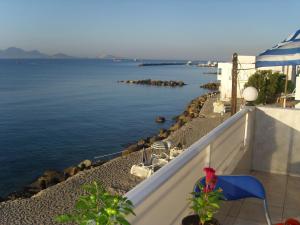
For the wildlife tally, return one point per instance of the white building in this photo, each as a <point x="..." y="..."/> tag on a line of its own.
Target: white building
<point x="297" y="93"/>
<point x="246" y="68"/>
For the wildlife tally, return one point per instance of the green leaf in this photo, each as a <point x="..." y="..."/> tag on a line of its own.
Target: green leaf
<point x="122" y="221"/>
<point x="63" y="218"/>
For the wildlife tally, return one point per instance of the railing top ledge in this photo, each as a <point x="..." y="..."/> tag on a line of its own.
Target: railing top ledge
<point x="148" y="186"/>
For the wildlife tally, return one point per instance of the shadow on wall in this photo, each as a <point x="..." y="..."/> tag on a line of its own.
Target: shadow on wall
<point x="277" y="141"/>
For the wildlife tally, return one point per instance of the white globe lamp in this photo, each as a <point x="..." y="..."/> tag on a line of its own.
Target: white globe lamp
<point x="250" y="94"/>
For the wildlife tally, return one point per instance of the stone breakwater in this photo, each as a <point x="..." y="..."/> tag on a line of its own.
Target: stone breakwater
<point x="52" y="177"/>
<point x="211" y="86"/>
<point x="170" y="83"/>
<point x="162" y="64"/>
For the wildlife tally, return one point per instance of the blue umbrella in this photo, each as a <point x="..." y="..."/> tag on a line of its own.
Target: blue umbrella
<point x="285" y="53"/>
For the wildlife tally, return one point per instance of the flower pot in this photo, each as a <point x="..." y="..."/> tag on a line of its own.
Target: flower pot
<point x="194" y="220"/>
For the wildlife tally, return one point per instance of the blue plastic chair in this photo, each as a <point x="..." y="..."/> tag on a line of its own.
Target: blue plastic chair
<point x="240" y="187"/>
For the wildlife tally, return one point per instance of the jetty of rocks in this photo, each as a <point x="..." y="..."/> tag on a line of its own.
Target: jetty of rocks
<point x="211" y="86"/>
<point x="167" y="83"/>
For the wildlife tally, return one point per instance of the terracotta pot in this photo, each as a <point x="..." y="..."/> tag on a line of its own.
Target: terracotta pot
<point x="194" y="220"/>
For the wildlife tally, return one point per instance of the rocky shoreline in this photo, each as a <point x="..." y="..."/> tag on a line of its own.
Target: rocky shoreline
<point x="48" y="179"/>
<point x="53" y="177"/>
<point x="166" y="83"/>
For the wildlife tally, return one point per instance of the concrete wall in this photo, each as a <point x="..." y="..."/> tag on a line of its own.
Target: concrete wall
<point x="163" y="198"/>
<point x="277" y="141"/>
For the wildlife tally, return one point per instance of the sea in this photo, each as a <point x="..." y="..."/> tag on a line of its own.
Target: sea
<point x="54" y="113"/>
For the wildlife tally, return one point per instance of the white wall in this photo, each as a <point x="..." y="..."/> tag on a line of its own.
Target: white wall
<point x="277" y="140"/>
<point x="246" y="68"/>
<point x="297" y="94"/>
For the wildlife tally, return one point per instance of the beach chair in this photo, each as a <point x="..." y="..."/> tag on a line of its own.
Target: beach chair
<point x="144" y="169"/>
<point x="240" y="187"/>
<point x="149" y="165"/>
<point x="166" y="146"/>
<point x="161" y="160"/>
<point x="161" y="145"/>
<point x="174" y="152"/>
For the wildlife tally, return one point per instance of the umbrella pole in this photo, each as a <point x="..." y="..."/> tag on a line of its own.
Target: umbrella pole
<point x="286" y="86"/>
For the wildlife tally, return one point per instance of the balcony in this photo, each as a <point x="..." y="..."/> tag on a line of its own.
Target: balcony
<point x="262" y="141"/>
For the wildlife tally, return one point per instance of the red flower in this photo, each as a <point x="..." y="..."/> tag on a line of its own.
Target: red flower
<point x="206" y="189"/>
<point x="210" y="179"/>
<point x="290" y="222"/>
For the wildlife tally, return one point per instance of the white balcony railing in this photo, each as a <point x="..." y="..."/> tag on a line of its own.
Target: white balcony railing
<point x="162" y="199"/>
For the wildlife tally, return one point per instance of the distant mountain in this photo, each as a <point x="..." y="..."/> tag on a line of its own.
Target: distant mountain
<point x="18" y="53"/>
<point x="111" y="57"/>
<point x="14" y="53"/>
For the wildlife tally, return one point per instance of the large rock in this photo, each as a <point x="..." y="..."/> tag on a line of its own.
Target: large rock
<point x="183" y="119"/>
<point x="49" y="178"/>
<point x="160" y="119"/>
<point x="141" y="143"/>
<point x="70" y="171"/>
<point x="133" y="148"/>
<point x="177" y="125"/>
<point x="163" y="133"/>
<point x="85" y="164"/>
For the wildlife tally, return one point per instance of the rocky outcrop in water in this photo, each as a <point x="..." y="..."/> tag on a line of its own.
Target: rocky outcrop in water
<point x="211" y="86"/>
<point x="170" y="83"/>
<point x="160" y="119"/>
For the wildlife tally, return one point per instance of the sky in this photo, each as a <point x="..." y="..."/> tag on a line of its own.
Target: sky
<point x="153" y="29"/>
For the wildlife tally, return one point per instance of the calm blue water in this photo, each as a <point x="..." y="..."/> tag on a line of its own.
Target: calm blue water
<point x="55" y="113"/>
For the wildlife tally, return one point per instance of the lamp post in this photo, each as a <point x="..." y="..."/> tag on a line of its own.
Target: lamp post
<point x="250" y="94"/>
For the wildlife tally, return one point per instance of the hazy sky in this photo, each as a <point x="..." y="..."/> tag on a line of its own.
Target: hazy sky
<point x="175" y="29"/>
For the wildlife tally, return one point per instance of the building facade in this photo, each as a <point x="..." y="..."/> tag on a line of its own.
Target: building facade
<point x="246" y="68"/>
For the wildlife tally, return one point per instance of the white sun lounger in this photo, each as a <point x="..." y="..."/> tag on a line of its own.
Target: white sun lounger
<point x="175" y="152"/>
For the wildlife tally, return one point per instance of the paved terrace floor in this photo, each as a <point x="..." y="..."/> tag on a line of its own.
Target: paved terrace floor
<point x="283" y="194"/>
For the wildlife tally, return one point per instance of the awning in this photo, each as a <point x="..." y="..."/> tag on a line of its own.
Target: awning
<point x="283" y="54"/>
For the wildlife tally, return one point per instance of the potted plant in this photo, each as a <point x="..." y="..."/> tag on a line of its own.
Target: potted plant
<point x="98" y="207"/>
<point x="205" y="203"/>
